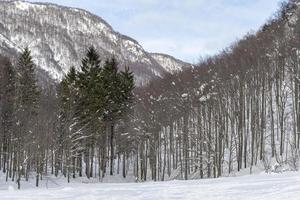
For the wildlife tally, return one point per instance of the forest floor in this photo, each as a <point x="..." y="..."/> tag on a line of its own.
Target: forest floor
<point x="249" y="187"/>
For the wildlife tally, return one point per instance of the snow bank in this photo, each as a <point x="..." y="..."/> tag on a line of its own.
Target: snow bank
<point x="259" y="187"/>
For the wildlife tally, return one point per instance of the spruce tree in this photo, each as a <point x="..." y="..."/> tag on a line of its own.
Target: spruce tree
<point x="127" y="86"/>
<point x="97" y="96"/>
<point x="90" y="104"/>
<point x="28" y="101"/>
<point x="28" y="88"/>
<point x="118" y="88"/>
<point x="89" y="85"/>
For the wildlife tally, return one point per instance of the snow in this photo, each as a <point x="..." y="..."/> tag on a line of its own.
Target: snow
<point x="22" y="5"/>
<point x="9" y="43"/>
<point x="184" y="95"/>
<point x="260" y="187"/>
<point x="169" y="63"/>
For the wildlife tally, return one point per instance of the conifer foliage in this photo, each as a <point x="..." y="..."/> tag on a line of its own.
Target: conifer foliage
<point x="27" y="102"/>
<point x="93" y="101"/>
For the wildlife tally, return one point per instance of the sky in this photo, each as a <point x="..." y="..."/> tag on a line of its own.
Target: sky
<point x="186" y="29"/>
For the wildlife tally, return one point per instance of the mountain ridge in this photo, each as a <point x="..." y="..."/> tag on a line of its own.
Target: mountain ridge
<point x="59" y="36"/>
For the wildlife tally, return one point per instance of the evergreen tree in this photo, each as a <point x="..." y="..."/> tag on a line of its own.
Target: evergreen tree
<point x="90" y="105"/>
<point x="28" y="101"/>
<point x="127" y="86"/>
<point x="90" y="99"/>
<point x="89" y="86"/>
<point x="118" y="88"/>
<point x="28" y="88"/>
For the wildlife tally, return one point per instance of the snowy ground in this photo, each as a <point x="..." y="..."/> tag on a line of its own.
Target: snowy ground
<point x="258" y="187"/>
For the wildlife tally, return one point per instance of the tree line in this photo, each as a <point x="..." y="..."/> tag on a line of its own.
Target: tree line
<point x="234" y="111"/>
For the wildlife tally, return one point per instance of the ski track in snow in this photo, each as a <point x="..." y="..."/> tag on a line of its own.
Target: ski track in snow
<point x="250" y="187"/>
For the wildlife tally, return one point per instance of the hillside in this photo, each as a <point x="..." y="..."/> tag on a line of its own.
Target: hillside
<point x="59" y="36"/>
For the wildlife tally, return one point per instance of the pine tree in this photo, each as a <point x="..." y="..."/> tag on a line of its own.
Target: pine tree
<point x="90" y="104"/>
<point x="28" y="88"/>
<point x="127" y="86"/>
<point x="89" y="85"/>
<point x="127" y="111"/>
<point x="118" y="88"/>
<point x="28" y="101"/>
<point x="96" y="96"/>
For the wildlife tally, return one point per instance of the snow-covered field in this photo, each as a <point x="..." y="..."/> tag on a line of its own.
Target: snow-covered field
<point x="258" y="187"/>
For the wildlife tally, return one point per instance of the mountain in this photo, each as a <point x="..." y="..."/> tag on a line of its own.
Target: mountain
<point x="169" y="63"/>
<point x="58" y="37"/>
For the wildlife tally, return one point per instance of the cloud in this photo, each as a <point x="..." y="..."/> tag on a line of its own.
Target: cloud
<point x="185" y="29"/>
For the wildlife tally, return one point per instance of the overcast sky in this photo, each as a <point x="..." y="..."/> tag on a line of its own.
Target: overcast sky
<point x="186" y="29"/>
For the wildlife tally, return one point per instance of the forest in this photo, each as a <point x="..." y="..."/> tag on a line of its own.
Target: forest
<point x="233" y="111"/>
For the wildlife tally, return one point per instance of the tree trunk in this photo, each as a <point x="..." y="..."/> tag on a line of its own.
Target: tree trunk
<point x="111" y="148"/>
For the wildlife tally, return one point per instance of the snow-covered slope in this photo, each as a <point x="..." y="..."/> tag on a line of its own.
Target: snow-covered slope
<point x="259" y="187"/>
<point x="169" y="63"/>
<point x="59" y="36"/>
